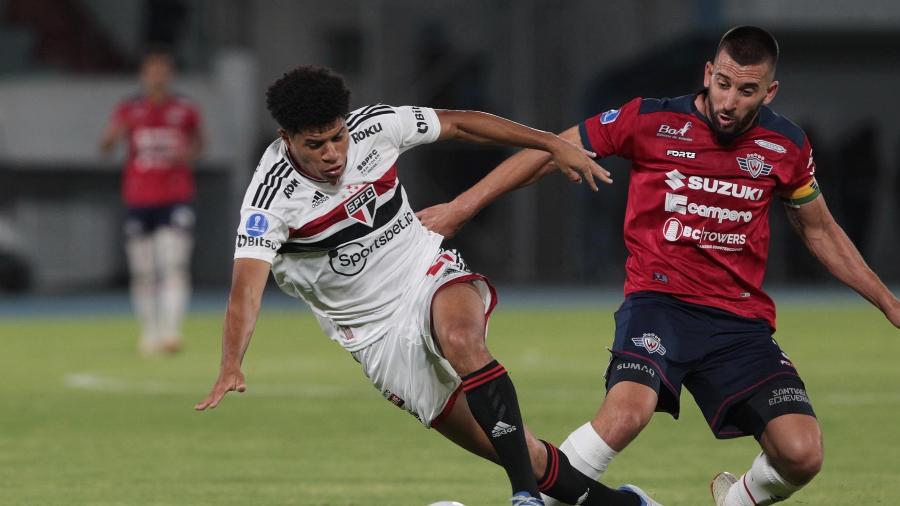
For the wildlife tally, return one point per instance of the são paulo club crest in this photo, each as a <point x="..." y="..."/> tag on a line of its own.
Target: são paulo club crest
<point x="361" y="206"/>
<point x="755" y="164"/>
<point x="650" y="342"/>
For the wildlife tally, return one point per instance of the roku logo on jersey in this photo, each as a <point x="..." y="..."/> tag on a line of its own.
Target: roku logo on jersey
<point x="679" y="204"/>
<point x="365" y="133"/>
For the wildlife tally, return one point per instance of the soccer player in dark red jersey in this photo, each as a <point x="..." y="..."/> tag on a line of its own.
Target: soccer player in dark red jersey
<point x="164" y="137"/>
<point x="705" y="168"/>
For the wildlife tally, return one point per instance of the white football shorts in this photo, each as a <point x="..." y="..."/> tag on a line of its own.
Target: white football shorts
<point x="405" y="365"/>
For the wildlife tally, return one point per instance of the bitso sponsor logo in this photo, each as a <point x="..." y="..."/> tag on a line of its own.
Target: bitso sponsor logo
<point x="690" y="155"/>
<point x="421" y="124"/>
<point x="361" y="206"/>
<point x="244" y="241"/>
<point x="650" y="342"/>
<point x="679" y="204"/>
<point x="755" y="164"/>
<point x="350" y="259"/>
<point x="771" y="146"/>
<point x="365" y="133"/>
<point x="671" y="132"/>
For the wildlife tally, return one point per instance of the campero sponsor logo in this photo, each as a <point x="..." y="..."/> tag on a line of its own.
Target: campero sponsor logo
<point x="350" y="259"/>
<point x="679" y="204"/>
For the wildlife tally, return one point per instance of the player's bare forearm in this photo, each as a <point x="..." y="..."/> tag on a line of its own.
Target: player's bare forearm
<point x="569" y="156"/>
<point x="247" y="285"/>
<point x="110" y="137"/>
<point x="831" y="246"/>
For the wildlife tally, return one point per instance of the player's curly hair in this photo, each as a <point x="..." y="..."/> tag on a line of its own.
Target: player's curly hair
<point x="308" y="97"/>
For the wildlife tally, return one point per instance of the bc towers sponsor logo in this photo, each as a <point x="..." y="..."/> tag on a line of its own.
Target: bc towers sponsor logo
<point x="650" y="342"/>
<point x="771" y="146"/>
<point x="256" y="225"/>
<point x="670" y="132"/>
<point x="755" y="164"/>
<point x="361" y="206"/>
<point x="674" y="230"/>
<point x="609" y="116"/>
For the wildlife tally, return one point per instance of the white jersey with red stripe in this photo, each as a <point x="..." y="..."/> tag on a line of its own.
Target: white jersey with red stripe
<point x="352" y="250"/>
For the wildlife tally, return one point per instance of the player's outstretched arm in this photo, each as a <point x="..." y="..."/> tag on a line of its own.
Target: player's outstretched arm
<point x="475" y="126"/>
<point x="830" y="244"/>
<point x="247" y="285"/>
<point x="519" y="170"/>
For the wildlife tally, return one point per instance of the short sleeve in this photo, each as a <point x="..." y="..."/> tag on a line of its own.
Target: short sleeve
<point x="800" y="186"/>
<point x="259" y="235"/>
<point x="414" y="126"/>
<point x="612" y="132"/>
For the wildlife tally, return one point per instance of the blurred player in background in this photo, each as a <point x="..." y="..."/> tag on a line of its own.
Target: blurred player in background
<point x="326" y="214"/>
<point x="163" y="132"/>
<point x="705" y="169"/>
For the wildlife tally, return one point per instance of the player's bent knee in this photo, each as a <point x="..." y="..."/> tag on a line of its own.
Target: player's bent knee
<point x="801" y="463"/>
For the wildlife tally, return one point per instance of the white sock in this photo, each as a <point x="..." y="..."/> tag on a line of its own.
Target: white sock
<point x="760" y="486"/>
<point x="587" y="452"/>
<point x="173" y="248"/>
<point x="141" y="263"/>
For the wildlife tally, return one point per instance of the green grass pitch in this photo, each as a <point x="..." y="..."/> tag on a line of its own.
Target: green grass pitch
<point x="83" y="420"/>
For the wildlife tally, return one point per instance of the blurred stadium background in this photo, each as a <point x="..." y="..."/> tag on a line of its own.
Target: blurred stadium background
<point x="65" y="63"/>
<point x="64" y="307"/>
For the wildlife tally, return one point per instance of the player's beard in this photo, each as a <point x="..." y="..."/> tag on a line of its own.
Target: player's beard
<point x="725" y="137"/>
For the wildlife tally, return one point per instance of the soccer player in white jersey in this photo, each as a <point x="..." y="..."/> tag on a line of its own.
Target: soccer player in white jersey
<point x="326" y="214"/>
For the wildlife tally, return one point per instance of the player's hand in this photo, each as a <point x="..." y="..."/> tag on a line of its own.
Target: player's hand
<point x="444" y="219"/>
<point x="227" y="382"/>
<point x="577" y="164"/>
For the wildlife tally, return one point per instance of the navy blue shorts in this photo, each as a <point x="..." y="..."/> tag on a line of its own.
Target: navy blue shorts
<point x="735" y="370"/>
<point x="145" y="220"/>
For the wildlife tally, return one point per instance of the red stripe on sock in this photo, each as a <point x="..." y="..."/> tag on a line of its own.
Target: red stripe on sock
<point x="553" y="473"/>
<point x="476" y="381"/>
<point x="746" y="488"/>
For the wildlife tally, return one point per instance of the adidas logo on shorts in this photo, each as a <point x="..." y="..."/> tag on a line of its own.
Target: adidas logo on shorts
<point x="502" y="429"/>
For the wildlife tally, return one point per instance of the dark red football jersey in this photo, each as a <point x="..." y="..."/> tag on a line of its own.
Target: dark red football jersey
<point x="158" y="135"/>
<point x="696" y="223"/>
